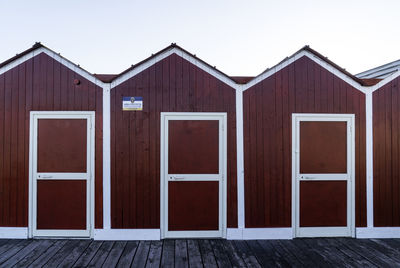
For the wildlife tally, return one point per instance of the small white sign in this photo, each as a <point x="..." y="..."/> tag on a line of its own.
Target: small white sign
<point x="132" y="103"/>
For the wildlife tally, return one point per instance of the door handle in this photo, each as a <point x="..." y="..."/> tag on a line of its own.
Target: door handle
<point x="176" y="178"/>
<point x="45" y="176"/>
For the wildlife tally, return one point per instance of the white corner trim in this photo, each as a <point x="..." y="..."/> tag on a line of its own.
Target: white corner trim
<point x="193" y="60"/>
<point x="56" y="57"/>
<point x="267" y="233"/>
<point x="13" y="232"/>
<point x="106" y="157"/>
<point x="240" y="159"/>
<point x="369" y="158"/>
<point x="378" y="232"/>
<point x="127" y="234"/>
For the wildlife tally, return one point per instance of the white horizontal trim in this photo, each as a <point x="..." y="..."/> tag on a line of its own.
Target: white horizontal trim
<point x="378" y="232"/>
<point x="267" y="233"/>
<point x="194" y="234"/>
<point x="62" y="233"/>
<point x="324" y="231"/>
<point x="13" y="232"/>
<point x="234" y="233"/>
<point x="127" y="234"/>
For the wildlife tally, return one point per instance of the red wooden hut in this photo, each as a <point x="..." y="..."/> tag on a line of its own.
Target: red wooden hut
<point x="173" y="147"/>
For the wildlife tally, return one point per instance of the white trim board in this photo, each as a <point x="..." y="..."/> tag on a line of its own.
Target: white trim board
<point x="13" y="232"/>
<point x="88" y="176"/>
<point x="127" y="234"/>
<point x="259" y="233"/>
<point x="378" y="232"/>
<point x="106" y="157"/>
<point x="348" y="176"/>
<point x="220" y="177"/>
<point x="174" y="50"/>
<point x="55" y="56"/>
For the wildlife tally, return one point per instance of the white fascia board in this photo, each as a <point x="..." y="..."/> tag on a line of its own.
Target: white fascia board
<point x="375" y="70"/>
<point x="314" y="58"/>
<point x="378" y="232"/>
<point x="13" y="232"/>
<point x="127" y="234"/>
<point x="56" y="57"/>
<point x="182" y="54"/>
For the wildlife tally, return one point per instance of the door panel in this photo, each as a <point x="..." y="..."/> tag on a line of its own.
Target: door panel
<point x="193" y="205"/>
<point x="323" y="203"/>
<point x="193" y="186"/>
<point x="323" y="147"/>
<point x="61" y="204"/>
<point x="62" y="145"/>
<point x="193" y="147"/>
<point x="62" y="168"/>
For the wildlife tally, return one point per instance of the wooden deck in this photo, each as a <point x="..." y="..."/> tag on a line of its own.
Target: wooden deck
<point x="317" y="252"/>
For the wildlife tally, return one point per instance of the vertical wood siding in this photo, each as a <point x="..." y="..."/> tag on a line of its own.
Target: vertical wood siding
<point x="171" y="85"/>
<point x="386" y="145"/>
<point x="39" y="84"/>
<point x="301" y="87"/>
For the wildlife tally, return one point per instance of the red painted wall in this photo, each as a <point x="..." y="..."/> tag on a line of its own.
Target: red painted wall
<point x="386" y="127"/>
<point x="171" y="85"/>
<point x="39" y="84"/>
<point x="301" y="87"/>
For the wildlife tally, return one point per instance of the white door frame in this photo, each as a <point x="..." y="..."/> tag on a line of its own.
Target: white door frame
<point x="221" y="177"/>
<point x="89" y="175"/>
<point x="349" y="230"/>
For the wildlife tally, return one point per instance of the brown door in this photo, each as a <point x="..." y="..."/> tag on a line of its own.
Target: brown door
<point x="193" y="186"/>
<point x="62" y="168"/>
<point x="324" y="172"/>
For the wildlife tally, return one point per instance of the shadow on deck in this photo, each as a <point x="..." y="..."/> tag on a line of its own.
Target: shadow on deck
<point x="315" y="252"/>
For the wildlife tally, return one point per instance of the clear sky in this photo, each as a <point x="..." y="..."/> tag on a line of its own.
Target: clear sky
<point x="238" y="37"/>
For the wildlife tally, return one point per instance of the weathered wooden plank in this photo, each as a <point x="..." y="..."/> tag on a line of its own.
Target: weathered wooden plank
<point x="246" y="254"/>
<point x="265" y="253"/>
<point x="101" y="254"/>
<point x="331" y="254"/>
<point x="88" y="254"/>
<point x="220" y="254"/>
<point x="290" y="249"/>
<point x="17" y="253"/>
<point x="141" y="254"/>
<point x="387" y="251"/>
<point x="48" y="254"/>
<point x="286" y="254"/>
<point x="154" y="258"/>
<point x="233" y="255"/>
<point x="128" y="254"/>
<point x="76" y="252"/>
<point x="194" y="253"/>
<point x="9" y="244"/>
<point x="377" y="258"/>
<point x="207" y="253"/>
<point x="62" y="253"/>
<point x="115" y="254"/>
<point x="14" y="250"/>
<point x="35" y="253"/>
<point x="343" y="247"/>
<point x="311" y="253"/>
<point x="181" y="253"/>
<point x="168" y="257"/>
